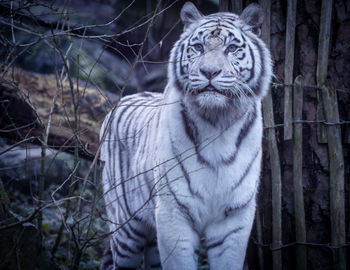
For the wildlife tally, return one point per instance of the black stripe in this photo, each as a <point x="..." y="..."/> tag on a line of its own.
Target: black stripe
<point x="181" y="205"/>
<point x="111" y="158"/>
<point x="244" y="204"/>
<point x="156" y="265"/>
<point x="242" y="134"/>
<point x="184" y="172"/>
<point x="258" y="89"/>
<point x="136" y="232"/>
<point x="190" y="127"/>
<point x="107" y="259"/>
<point x="178" y="84"/>
<point x="131" y="119"/>
<point x="187" y="178"/>
<point x="234" y="38"/>
<point x="252" y="71"/>
<point x="142" y="146"/>
<point x="122" y="180"/>
<point x="113" y="188"/>
<point x="125" y="247"/>
<point x="219" y="243"/>
<point x="193" y="39"/>
<point x="120" y="144"/>
<point x="214" y="21"/>
<point x="149" y="183"/>
<point x="121" y="165"/>
<point x="115" y="247"/>
<point x="153" y="243"/>
<point x="140" y="125"/>
<point x="128" y="234"/>
<point x="223" y="25"/>
<point x="223" y="251"/>
<point x="192" y="133"/>
<point x="137" y="129"/>
<point x="109" y="144"/>
<point x="242" y="57"/>
<point x="158" y="119"/>
<point x="143" y="155"/>
<point x="247" y="170"/>
<point x="181" y="58"/>
<point x="248" y="125"/>
<point x="222" y="16"/>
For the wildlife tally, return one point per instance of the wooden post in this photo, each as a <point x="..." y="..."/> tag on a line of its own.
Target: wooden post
<point x="288" y="68"/>
<point x="237" y="6"/>
<point x="234" y="6"/>
<point x="273" y="152"/>
<point x="259" y="238"/>
<point x="347" y="131"/>
<point x="300" y="231"/>
<point x="224" y="5"/>
<point x="322" y="63"/>
<point x="336" y="170"/>
<point x="276" y="182"/>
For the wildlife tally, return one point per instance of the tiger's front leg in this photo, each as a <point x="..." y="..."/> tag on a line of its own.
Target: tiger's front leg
<point x="227" y="241"/>
<point x="178" y="243"/>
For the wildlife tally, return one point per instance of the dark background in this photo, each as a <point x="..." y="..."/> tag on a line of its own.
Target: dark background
<point x="102" y="57"/>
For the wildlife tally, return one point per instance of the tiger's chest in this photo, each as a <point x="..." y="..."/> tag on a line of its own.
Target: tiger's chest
<point x="210" y="194"/>
<point x="210" y="174"/>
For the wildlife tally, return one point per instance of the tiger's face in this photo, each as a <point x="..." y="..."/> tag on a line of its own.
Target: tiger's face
<point x="219" y="61"/>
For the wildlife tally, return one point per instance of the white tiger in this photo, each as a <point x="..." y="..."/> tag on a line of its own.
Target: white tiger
<point x="185" y="164"/>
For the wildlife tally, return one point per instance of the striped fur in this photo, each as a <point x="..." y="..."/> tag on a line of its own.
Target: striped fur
<point x="185" y="164"/>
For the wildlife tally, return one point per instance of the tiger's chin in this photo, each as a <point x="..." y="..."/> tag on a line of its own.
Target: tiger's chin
<point x="217" y="108"/>
<point x="211" y="100"/>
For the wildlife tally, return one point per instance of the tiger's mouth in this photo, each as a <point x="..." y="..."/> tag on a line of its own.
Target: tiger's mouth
<point x="209" y="89"/>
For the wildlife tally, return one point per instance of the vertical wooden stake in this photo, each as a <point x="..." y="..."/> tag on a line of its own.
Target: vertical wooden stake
<point x="234" y="6"/>
<point x="259" y="238"/>
<point x="276" y="182"/>
<point x="347" y="131"/>
<point x="224" y="5"/>
<point x="237" y="6"/>
<point x="322" y="63"/>
<point x="288" y="68"/>
<point x="300" y="231"/>
<point x="336" y="170"/>
<point x="273" y="152"/>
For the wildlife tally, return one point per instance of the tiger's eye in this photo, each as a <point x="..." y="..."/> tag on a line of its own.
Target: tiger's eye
<point x="198" y="47"/>
<point x="231" y="48"/>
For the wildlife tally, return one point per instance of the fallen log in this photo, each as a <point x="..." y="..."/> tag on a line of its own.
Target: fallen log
<point x="26" y="98"/>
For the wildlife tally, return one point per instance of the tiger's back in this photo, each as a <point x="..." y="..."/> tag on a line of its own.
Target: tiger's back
<point x="127" y="180"/>
<point x="127" y="176"/>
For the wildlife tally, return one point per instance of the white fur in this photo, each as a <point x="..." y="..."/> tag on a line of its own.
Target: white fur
<point x="162" y="180"/>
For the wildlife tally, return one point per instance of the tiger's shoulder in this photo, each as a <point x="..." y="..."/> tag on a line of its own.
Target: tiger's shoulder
<point x="126" y="110"/>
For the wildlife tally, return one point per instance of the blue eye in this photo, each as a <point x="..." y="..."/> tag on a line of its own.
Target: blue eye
<point x="231" y="48"/>
<point x="198" y="47"/>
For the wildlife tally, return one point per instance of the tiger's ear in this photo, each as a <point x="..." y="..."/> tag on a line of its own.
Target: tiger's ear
<point x="253" y="16"/>
<point x="189" y="14"/>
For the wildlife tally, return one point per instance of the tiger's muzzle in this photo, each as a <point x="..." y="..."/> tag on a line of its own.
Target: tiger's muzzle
<point x="210" y="89"/>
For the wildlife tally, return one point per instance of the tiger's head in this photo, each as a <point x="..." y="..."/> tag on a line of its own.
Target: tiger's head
<point x="219" y="62"/>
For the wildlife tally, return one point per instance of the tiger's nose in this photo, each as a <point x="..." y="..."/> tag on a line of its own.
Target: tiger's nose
<point x="210" y="73"/>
